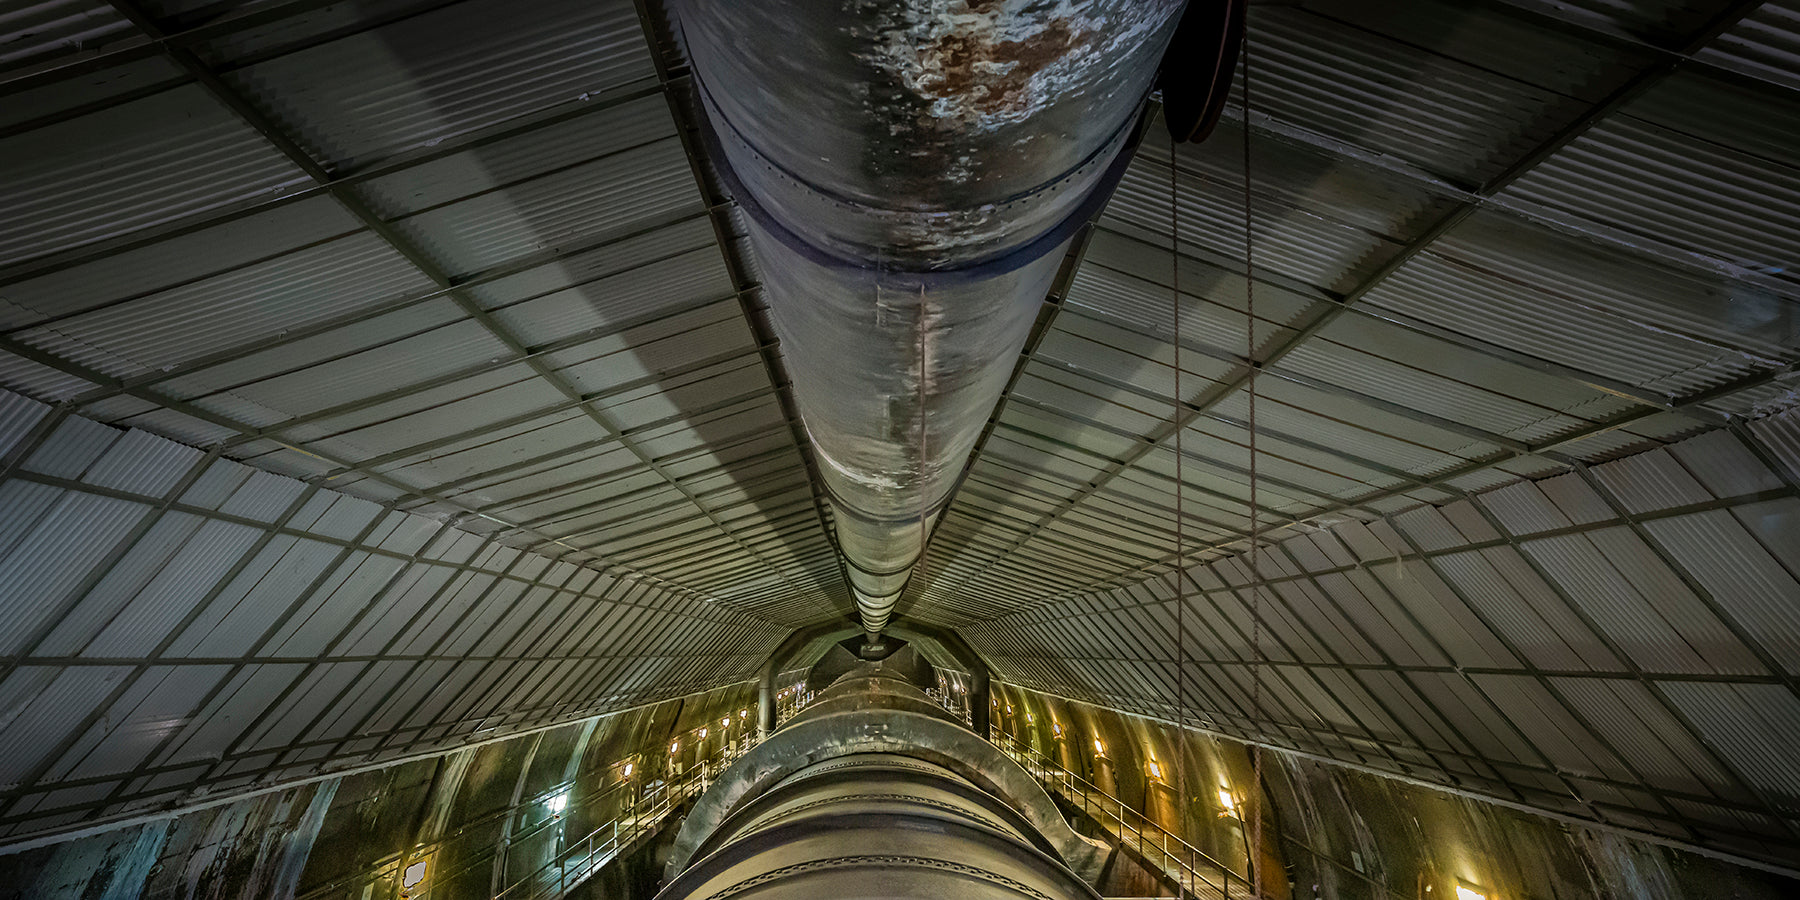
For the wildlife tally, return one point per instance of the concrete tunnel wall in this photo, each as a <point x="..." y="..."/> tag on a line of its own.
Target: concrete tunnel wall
<point x="1343" y="834"/>
<point x="1334" y="833"/>
<point x="475" y="817"/>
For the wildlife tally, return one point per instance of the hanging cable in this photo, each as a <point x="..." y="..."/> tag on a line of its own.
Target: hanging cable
<point x="1255" y="368"/>
<point x="1175" y="409"/>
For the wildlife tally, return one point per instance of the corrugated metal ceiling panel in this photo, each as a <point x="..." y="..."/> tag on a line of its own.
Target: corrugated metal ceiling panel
<point x="540" y="205"/>
<point x="413" y="83"/>
<point x="185" y="154"/>
<point x="1766" y="44"/>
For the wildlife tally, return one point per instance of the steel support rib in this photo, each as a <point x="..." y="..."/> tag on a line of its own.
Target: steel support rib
<point x="191" y="64"/>
<point x="1389" y="318"/>
<point x="1329" y="312"/>
<point x="678" y="91"/>
<point x="1441" y="480"/>
<point x="358" y="317"/>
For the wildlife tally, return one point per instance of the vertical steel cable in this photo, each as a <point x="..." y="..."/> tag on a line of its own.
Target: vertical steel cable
<point x="1255" y="368"/>
<point x="1175" y="409"/>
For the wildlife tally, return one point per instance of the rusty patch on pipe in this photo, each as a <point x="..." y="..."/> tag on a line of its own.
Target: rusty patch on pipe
<point x="993" y="77"/>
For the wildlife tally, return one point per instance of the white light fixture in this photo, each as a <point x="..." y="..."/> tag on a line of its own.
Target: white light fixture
<point x="703" y="734"/>
<point x="725" y="722"/>
<point x="1099" y="748"/>
<point x="1155" y="770"/>
<point x="674" y="748"/>
<point x="1227" y="803"/>
<point x="556" y="803"/>
<point x="1465" y="892"/>
<point x="414" y="874"/>
<point x="628" y="768"/>
<point x="743" y="714"/>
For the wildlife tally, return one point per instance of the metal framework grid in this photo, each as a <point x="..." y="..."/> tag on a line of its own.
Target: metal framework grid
<point x="502" y="337"/>
<point x="1526" y="278"/>
<point x="1478" y="262"/>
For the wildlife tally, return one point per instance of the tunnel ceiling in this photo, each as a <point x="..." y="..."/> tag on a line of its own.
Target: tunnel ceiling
<point x="1526" y="327"/>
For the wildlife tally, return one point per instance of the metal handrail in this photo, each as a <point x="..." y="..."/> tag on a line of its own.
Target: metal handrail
<point x="602" y="845"/>
<point x="1191" y="866"/>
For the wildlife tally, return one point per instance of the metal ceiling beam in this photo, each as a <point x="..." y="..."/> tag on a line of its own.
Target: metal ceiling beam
<point x="141" y="666"/>
<point x="1388" y="318"/>
<point x="1255" y="663"/>
<point x="1764" y="657"/>
<point x="1193" y="408"/>
<point x="1526" y="668"/>
<point x="366" y="314"/>
<point x="71" y="598"/>
<point x="678" y="90"/>
<point x="1647" y="680"/>
<point x="612" y="527"/>
<point x="1506" y="541"/>
<point x="1419" y="481"/>
<point x="1542" y="680"/>
<point x="352" y="203"/>
<point x="236" y="21"/>
<point x="578" y="404"/>
<point x="401" y="161"/>
<point x="1443" y="479"/>
<point x="490" y="479"/>
<point x="568" y="489"/>
<point x="285" y="531"/>
<point x="573" y="342"/>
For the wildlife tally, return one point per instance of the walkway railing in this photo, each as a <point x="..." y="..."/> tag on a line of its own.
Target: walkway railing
<point x="1198" y="874"/>
<point x="591" y="852"/>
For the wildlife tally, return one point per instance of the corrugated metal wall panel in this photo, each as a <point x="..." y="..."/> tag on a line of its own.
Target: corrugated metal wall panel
<point x="1753" y="726"/>
<point x="157" y="704"/>
<point x="534" y="162"/>
<point x="1653" y="591"/>
<point x="44" y="706"/>
<point x="225" y="574"/>
<point x="1746" y="582"/>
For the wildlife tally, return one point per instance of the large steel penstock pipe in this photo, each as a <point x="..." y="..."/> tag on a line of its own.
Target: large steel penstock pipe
<point x="912" y="174"/>
<point x="876" y="792"/>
